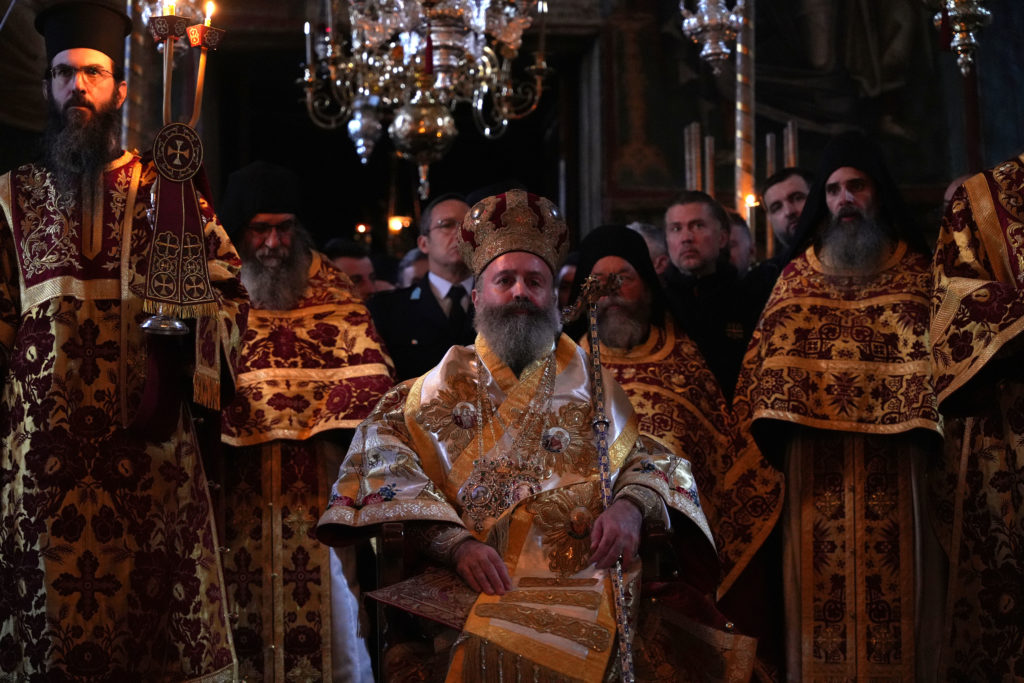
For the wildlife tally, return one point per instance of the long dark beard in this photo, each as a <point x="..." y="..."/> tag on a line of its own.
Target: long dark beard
<point x="518" y="339"/>
<point x="77" y="147"/>
<point x="622" y="329"/>
<point x="859" y="244"/>
<point x="277" y="287"/>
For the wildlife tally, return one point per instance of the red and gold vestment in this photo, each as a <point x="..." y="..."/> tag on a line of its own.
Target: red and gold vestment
<point x="678" y="401"/>
<point x="302" y="373"/>
<point x="108" y="550"/>
<point x="838" y="378"/>
<point x="977" y="319"/>
<point x="514" y="461"/>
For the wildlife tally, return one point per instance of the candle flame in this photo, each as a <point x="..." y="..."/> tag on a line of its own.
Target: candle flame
<point x="169" y="9"/>
<point x="210" y="9"/>
<point x="750" y="200"/>
<point x="305" y="28"/>
<point x="396" y="223"/>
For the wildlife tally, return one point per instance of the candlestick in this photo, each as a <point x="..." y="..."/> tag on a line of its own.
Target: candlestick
<point x="542" y="10"/>
<point x="309" y="45"/>
<point x="751" y="202"/>
<point x="168" y="73"/>
<point x="709" y="165"/>
<point x="789" y="143"/>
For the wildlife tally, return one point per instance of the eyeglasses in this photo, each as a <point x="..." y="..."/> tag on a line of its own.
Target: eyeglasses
<point x="63" y="74"/>
<point x="445" y="224"/>
<point x="265" y="228"/>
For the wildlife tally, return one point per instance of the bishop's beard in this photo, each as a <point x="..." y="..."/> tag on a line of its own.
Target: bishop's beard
<point x="76" y="145"/>
<point x="520" y="332"/>
<point x="277" y="277"/>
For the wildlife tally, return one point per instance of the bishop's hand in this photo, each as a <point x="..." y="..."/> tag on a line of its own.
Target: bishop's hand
<point x="616" y="534"/>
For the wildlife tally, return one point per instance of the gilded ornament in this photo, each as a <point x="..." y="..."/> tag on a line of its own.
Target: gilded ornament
<point x="591" y="636"/>
<point x="575" y="598"/>
<point x="566" y="517"/>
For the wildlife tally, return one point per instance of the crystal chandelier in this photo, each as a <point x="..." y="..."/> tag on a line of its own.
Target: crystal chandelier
<point x="712" y="26"/>
<point x="406" y="64"/>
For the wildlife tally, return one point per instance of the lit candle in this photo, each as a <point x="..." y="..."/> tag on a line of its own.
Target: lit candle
<point x="542" y="10"/>
<point x="309" y="45"/>
<point x="169" y="9"/>
<point x="751" y="202"/>
<point x="210" y="9"/>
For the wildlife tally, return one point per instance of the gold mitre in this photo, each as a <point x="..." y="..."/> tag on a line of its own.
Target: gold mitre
<point x="513" y="221"/>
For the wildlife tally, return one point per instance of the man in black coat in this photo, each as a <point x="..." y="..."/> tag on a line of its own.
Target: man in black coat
<point x="705" y="293"/>
<point x="421" y="322"/>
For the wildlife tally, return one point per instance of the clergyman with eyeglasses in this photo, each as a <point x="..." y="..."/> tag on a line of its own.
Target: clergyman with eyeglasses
<point x="107" y="547"/>
<point x="421" y="322"/>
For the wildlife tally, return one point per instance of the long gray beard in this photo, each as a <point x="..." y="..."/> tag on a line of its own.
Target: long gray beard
<point x="76" y="151"/>
<point x="861" y="244"/>
<point x="620" y="329"/>
<point x="518" y="339"/>
<point x="278" y="288"/>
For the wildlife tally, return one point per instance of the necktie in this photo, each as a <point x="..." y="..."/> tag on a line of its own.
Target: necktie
<point x="457" y="314"/>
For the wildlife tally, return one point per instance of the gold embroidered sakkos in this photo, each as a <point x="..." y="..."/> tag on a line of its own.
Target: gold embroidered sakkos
<point x="532" y="470"/>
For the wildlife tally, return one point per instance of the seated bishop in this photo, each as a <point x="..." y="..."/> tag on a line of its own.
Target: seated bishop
<point x="493" y="463"/>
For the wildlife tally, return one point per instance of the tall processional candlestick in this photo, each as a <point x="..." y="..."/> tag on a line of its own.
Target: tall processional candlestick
<point x="177" y="278"/>
<point x="178" y="282"/>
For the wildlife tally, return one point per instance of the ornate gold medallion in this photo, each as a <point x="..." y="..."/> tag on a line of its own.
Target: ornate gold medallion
<point x="177" y="152"/>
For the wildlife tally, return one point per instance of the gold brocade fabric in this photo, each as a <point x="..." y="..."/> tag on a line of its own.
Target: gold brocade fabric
<point x="319" y="366"/>
<point x="517" y="473"/>
<point x="108" y="550"/>
<point x="843" y="353"/>
<point x="853" y="586"/>
<point x="844" y="362"/>
<point x="277" y="574"/>
<point x="977" y="318"/>
<point x="678" y="401"/>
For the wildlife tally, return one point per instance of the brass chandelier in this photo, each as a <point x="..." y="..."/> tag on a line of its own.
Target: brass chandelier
<point x="406" y="64"/>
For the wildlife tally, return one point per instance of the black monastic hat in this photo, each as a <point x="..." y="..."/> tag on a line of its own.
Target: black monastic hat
<point x="618" y="240"/>
<point x="260" y="187"/>
<point x="95" y="24"/>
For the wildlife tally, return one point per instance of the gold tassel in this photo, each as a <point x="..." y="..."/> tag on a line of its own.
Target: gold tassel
<point x="485" y="662"/>
<point x="206" y="390"/>
<point x="180" y="310"/>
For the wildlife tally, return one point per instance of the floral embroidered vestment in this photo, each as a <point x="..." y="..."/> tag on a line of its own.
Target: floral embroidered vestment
<point x="303" y="372"/>
<point x="839" y="372"/>
<point x="977" y="320"/>
<point x="108" y="552"/>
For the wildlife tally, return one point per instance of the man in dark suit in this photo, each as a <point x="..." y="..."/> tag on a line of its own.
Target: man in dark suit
<point x="421" y="322"/>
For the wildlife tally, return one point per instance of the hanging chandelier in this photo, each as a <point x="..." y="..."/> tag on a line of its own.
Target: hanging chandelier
<point x="713" y="26"/>
<point x="404" y="65"/>
<point x="963" y="19"/>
